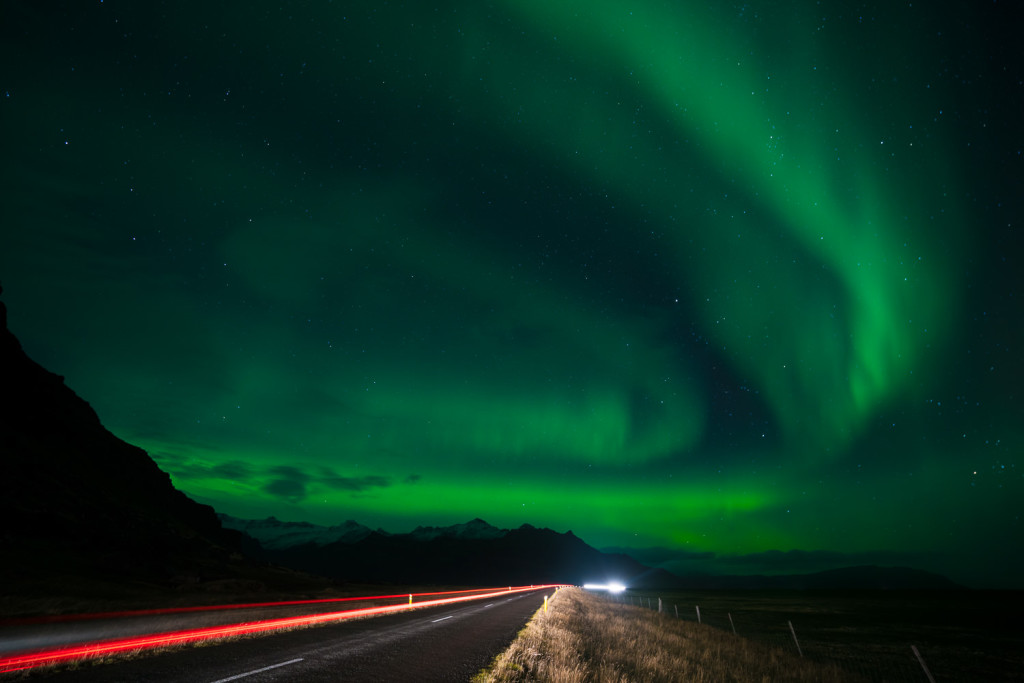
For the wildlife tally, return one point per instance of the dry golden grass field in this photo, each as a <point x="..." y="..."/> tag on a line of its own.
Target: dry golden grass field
<point x="962" y="636"/>
<point x="585" y="637"/>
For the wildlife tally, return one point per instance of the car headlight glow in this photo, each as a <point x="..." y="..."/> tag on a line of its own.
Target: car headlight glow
<point x="613" y="587"/>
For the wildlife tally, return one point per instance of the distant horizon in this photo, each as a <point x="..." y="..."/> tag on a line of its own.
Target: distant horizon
<point x="711" y="567"/>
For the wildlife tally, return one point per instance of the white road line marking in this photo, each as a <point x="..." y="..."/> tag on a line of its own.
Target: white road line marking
<point x="489" y="605"/>
<point x="250" y="673"/>
<point x="433" y="622"/>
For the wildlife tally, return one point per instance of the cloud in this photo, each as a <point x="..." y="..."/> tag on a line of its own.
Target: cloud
<point x="236" y="470"/>
<point x="358" y="484"/>
<point x="292" y="484"/>
<point x="288" y="472"/>
<point x="184" y="467"/>
<point x="292" y="490"/>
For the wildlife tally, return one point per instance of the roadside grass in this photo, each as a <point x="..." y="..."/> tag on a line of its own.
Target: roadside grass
<point x="584" y="637"/>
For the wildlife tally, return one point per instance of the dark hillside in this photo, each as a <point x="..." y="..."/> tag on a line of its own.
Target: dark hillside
<point x="525" y="555"/>
<point x="80" y="504"/>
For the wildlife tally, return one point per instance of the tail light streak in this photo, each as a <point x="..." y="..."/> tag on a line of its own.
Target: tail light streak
<point x="28" y="660"/>
<point x="214" y="608"/>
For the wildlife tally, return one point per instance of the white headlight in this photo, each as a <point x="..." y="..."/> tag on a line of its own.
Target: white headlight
<point x="613" y="587"/>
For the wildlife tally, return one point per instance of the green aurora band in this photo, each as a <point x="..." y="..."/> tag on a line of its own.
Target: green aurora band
<point x="666" y="274"/>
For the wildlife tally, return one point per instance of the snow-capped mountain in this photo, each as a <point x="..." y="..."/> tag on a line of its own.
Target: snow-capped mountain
<point x="473" y="530"/>
<point x="273" y="534"/>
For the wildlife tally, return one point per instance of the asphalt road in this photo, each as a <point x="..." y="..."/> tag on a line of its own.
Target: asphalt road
<point x="444" y="643"/>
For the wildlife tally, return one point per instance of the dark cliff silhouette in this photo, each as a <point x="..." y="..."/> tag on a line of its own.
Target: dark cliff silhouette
<point x="79" y="503"/>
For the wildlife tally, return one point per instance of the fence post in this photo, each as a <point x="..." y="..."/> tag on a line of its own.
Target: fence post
<point x="410" y="598"/>
<point x="923" y="665"/>
<point x="698" y="614"/>
<point x="793" y="631"/>
<point x="677" y="610"/>
<point x="545" y="604"/>
<point x="732" y="624"/>
<point x="659" y="605"/>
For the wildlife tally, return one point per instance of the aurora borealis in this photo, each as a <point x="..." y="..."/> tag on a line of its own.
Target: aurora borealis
<point x="733" y="285"/>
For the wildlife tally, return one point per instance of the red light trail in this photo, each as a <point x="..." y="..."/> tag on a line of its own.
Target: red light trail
<point x="57" y="655"/>
<point x="54" y="618"/>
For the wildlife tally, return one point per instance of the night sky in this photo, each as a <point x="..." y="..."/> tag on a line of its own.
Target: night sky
<point x="734" y="286"/>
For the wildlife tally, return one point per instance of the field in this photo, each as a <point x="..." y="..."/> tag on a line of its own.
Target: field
<point x="864" y="636"/>
<point x="960" y="635"/>
<point x="584" y="637"/>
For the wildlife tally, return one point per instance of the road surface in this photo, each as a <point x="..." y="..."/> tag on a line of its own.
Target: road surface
<point x="444" y="643"/>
